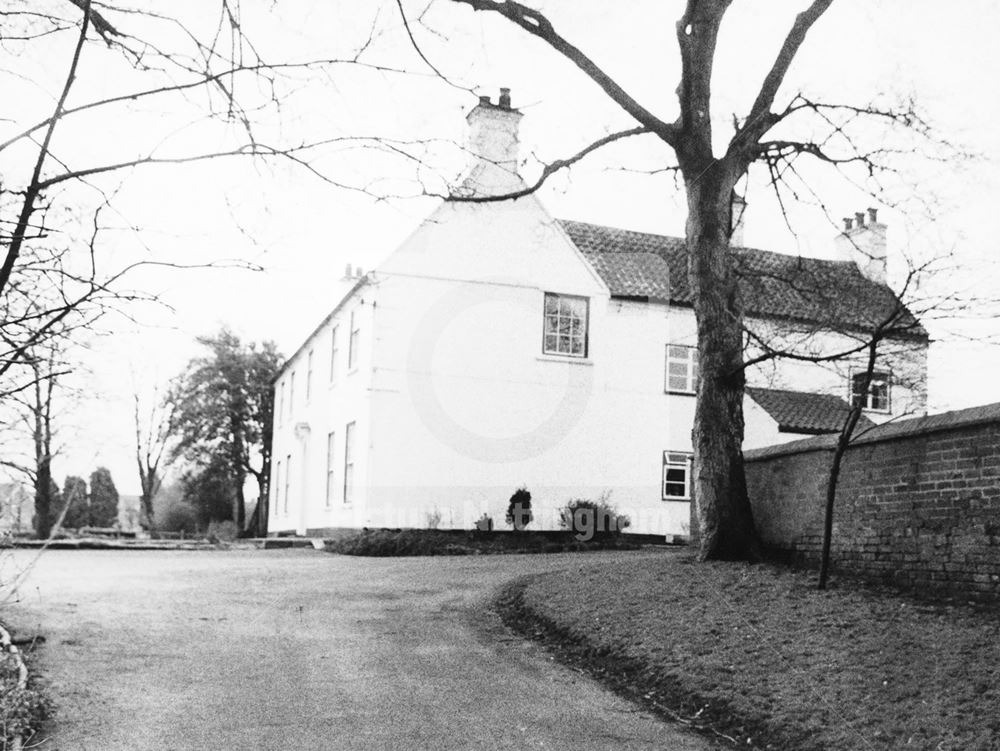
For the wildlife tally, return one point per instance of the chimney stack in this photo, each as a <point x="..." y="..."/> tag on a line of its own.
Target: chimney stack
<point x="864" y="244"/>
<point x="492" y="147"/>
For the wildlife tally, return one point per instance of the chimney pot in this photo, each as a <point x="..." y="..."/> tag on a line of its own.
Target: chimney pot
<point x="504" y="100"/>
<point x="864" y="245"/>
<point x="872" y="215"/>
<point x="485" y="100"/>
<point x="347" y="271"/>
<point x="360" y="273"/>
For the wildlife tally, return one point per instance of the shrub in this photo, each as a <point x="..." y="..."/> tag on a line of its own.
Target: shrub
<point x="593" y="520"/>
<point x="519" y="513"/>
<point x="21" y="709"/>
<point x="224" y="531"/>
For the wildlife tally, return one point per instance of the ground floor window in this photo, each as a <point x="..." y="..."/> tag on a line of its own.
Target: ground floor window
<point x="330" y="487"/>
<point x="288" y="478"/>
<point x="349" y="462"/>
<point x="276" y="489"/>
<point x="676" y="475"/>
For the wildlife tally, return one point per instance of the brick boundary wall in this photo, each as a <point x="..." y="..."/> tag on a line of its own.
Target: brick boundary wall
<point x="918" y="502"/>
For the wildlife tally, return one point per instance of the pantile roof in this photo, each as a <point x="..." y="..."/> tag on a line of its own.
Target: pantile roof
<point x="800" y="412"/>
<point x="834" y="294"/>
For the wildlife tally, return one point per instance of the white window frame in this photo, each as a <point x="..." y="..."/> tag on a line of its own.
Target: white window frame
<point x="331" y="459"/>
<point x="333" y="355"/>
<point x="349" y="431"/>
<point x="880" y="376"/>
<point x="690" y="364"/>
<point x="281" y="402"/>
<point x="288" y="481"/>
<point x="353" y="341"/>
<point x="676" y="460"/>
<point x="554" y="336"/>
<point x="291" y="394"/>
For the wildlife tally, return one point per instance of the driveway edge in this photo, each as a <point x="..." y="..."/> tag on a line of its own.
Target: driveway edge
<point x="625" y="675"/>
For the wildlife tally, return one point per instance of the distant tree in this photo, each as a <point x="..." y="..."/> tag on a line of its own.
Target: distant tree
<point x="222" y="411"/>
<point x="103" y="499"/>
<point x="74" y="496"/>
<point x="32" y="416"/>
<point x="172" y="511"/>
<point x="152" y="432"/>
<point x="211" y="491"/>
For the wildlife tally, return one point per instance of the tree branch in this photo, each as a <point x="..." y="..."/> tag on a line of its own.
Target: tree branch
<point x="551" y="168"/>
<point x="539" y="26"/>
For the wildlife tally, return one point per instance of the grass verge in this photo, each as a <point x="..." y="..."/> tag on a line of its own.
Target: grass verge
<point x="405" y="542"/>
<point x="756" y="655"/>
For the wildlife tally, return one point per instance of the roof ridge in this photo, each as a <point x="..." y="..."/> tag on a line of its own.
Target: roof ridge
<point x="644" y="233"/>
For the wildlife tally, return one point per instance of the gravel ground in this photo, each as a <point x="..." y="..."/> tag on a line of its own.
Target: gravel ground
<point x="297" y="649"/>
<point x="758" y="654"/>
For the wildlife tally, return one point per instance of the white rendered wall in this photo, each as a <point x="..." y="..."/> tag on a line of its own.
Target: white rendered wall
<point x="301" y="432"/>
<point x="455" y="405"/>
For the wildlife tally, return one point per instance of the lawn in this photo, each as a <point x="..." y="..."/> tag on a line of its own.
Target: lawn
<point x="758" y="655"/>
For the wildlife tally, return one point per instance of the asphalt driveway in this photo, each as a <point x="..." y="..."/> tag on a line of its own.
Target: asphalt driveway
<point x="304" y="650"/>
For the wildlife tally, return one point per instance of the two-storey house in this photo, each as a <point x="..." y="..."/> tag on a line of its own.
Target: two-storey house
<point x="499" y="348"/>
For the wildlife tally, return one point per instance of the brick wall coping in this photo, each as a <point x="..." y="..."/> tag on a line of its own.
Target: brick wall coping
<point x="959" y="418"/>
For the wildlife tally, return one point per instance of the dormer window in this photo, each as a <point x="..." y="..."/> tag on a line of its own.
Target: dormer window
<point x="565" y="326"/>
<point x="877" y="396"/>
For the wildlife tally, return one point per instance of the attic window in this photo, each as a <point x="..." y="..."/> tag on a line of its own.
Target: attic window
<point x="565" y="327"/>
<point x="876" y="398"/>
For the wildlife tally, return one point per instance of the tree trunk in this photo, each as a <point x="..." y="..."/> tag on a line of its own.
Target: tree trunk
<point x="843" y="442"/>
<point x="263" y="500"/>
<point x="724" y="516"/>
<point x="43" y="498"/>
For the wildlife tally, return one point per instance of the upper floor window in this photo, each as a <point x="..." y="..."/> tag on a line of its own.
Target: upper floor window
<point x="565" y="330"/>
<point x="876" y="397"/>
<point x="291" y="394"/>
<point x="281" y="402"/>
<point x="676" y="476"/>
<point x="352" y="342"/>
<point x="682" y="369"/>
<point x="333" y="354"/>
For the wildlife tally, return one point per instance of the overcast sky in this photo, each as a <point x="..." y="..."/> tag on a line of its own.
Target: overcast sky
<point x="303" y="231"/>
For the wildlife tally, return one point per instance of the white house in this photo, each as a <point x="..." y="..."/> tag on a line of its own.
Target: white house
<point x="499" y="347"/>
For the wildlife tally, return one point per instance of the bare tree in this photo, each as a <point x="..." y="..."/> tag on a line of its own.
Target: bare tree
<point x="33" y="408"/>
<point x="52" y="192"/>
<point x="152" y="434"/>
